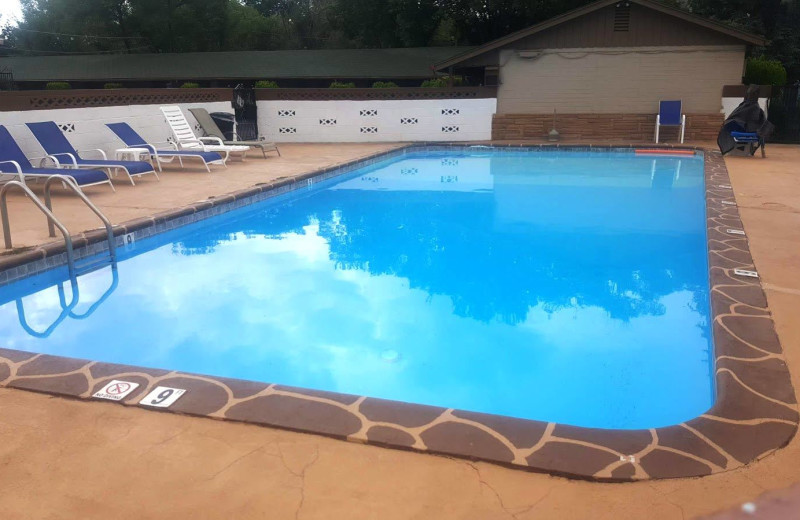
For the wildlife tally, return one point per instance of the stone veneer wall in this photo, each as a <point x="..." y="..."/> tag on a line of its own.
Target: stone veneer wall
<point x="629" y="127"/>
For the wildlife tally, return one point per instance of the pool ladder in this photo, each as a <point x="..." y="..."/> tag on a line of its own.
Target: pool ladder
<point x="52" y="221"/>
<point x="68" y="309"/>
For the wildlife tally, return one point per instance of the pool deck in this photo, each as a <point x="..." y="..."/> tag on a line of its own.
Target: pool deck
<point x="54" y="452"/>
<point x="176" y="188"/>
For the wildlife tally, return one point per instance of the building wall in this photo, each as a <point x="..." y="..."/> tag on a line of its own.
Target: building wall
<point x="610" y="80"/>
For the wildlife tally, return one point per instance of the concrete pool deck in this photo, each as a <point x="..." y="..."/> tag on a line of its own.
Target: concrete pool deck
<point x="360" y="481"/>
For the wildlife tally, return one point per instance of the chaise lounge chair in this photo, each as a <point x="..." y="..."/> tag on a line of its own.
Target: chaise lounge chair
<point x="211" y="129"/>
<point x="60" y="151"/>
<point x="133" y="140"/>
<point x="14" y="161"/>
<point x="669" y="114"/>
<point x="184" y="135"/>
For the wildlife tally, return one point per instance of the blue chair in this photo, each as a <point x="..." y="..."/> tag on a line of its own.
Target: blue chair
<point x="669" y="114"/>
<point x="133" y="140"/>
<point x="59" y="149"/>
<point x="750" y="139"/>
<point x="13" y="160"/>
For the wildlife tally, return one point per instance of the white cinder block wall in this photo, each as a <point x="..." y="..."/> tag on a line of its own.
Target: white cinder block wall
<point x="280" y="121"/>
<point x="729" y="104"/>
<point x="86" y="127"/>
<point x="375" y="121"/>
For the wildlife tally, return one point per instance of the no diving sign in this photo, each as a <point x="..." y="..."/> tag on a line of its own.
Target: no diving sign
<point x="116" y="390"/>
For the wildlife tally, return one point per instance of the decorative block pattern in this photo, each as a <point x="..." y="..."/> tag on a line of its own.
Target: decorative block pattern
<point x="286" y="113"/>
<point x="449" y="162"/>
<point x="327" y="122"/>
<point x="450" y="129"/>
<point x="400" y="120"/>
<point x="369" y="129"/>
<point x="67" y="128"/>
<point x="287" y="130"/>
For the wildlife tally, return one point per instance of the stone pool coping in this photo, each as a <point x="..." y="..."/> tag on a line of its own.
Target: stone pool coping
<point x="754" y="415"/>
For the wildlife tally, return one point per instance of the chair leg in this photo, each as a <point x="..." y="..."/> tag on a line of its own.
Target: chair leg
<point x="683" y="126"/>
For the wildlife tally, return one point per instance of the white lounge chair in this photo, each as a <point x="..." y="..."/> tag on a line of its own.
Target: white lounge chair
<point x="187" y="140"/>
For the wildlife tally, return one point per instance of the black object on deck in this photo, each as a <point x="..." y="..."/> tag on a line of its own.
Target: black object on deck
<point x="747" y="117"/>
<point x="244" y="103"/>
<point x="225" y="122"/>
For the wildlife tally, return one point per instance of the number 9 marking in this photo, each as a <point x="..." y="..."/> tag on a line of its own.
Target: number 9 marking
<point x="163" y="396"/>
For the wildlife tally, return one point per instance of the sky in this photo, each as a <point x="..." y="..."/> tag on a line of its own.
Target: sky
<point x="9" y="9"/>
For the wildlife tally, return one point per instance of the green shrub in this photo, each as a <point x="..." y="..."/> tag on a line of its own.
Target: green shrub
<point x="112" y="85"/>
<point x="266" y="83"/>
<point x="763" y="71"/>
<point x="189" y="84"/>
<point x="58" y="85"/>
<point x="442" y="82"/>
<point x="384" y="84"/>
<point x="340" y="84"/>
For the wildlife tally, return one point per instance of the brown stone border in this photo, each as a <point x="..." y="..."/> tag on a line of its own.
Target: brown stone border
<point x="755" y="412"/>
<point x="81" y="98"/>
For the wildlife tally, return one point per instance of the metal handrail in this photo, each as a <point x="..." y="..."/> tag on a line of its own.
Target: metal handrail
<point x="66" y="310"/>
<point x="104" y="297"/>
<point x="51" y="219"/>
<point x="69" y="183"/>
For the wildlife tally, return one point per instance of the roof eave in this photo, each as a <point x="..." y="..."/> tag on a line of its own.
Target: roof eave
<point x="575" y="13"/>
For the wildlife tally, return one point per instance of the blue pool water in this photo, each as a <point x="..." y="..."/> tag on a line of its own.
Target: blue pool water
<point x="568" y="287"/>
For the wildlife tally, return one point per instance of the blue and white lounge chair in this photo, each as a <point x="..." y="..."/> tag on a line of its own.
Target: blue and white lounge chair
<point x="750" y="139"/>
<point x="133" y="140"/>
<point x="59" y="150"/>
<point x="14" y="161"/>
<point x="669" y="114"/>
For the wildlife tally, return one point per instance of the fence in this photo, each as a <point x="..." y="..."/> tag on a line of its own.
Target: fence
<point x="6" y="79"/>
<point x="784" y="113"/>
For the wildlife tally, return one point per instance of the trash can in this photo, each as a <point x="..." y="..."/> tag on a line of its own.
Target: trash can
<point x="225" y="122"/>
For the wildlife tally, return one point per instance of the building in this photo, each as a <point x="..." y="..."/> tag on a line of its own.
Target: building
<point x="604" y="67"/>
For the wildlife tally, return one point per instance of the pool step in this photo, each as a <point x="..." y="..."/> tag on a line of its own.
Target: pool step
<point x="85" y="266"/>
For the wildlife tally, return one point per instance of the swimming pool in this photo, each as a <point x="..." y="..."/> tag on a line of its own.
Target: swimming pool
<point x="567" y="287"/>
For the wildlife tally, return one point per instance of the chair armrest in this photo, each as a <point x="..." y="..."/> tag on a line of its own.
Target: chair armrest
<point x="102" y="153"/>
<point x="215" y="140"/>
<point x="173" y="145"/>
<point x="16" y="165"/>
<point x="67" y="157"/>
